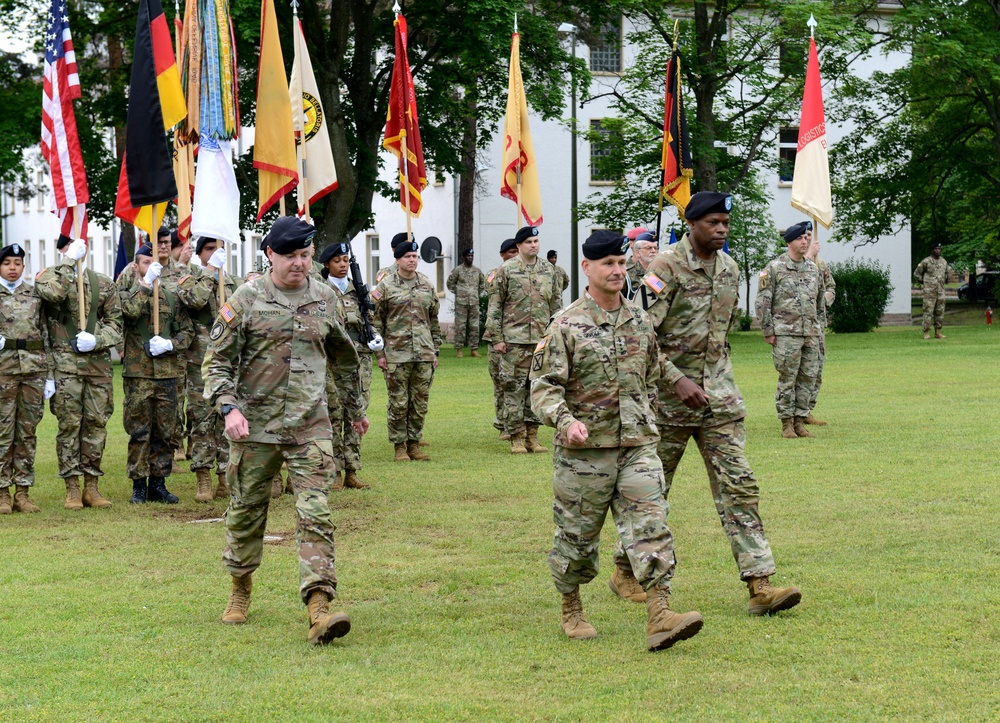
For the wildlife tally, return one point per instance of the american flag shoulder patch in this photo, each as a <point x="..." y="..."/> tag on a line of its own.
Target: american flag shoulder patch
<point x="655" y="283"/>
<point x="541" y="345"/>
<point x="39" y="274"/>
<point x="376" y="294"/>
<point x="180" y="282"/>
<point x="489" y="279"/>
<point x="227" y="313"/>
<point x="763" y="274"/>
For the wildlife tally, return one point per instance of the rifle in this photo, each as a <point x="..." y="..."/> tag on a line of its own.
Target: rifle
<point x="373" y="338"/>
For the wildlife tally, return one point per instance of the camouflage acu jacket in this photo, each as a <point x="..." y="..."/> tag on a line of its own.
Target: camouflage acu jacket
<point x="522" y="301"/>
<point x="192" y="287"/>
<point x="790" y="298"/>
<point x="406" y="315"/>
<point x="269" y="357"/>
<point x="562" y="278"/>
<point x="601" y="371"/>
<point x="467" y="283"/>
<point x="692" y="314"/>
<point x="57" y="287"/>
<point x="932" y="273"/>
<point x="204" y="317"/>
<point x="351" y="319"/>
<point x="175" y="324"/>
<point x="26" y="342"/>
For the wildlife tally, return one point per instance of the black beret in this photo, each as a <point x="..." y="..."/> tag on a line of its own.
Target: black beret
<point x="144" y="250"/>
<point x="706" y="202"/>
<point x="507" y="245"/>
<point x="175" y="240"/>
<point x="469" y="252"/>
<point x="63" y="242"/>
<point x="604" y="243"/>
<point x="289" y="234"/>
<point x="202" y="240"/>
<point x="524" y="234"/>
<point x="937" y="245"/>
<point x="341" y="249"/>
<point x="12" y="250"/>
<point x="402" y="249"/>
<point x="793" y="232"/>
<point x="399" y="238"/>
<point x="164" y="231"/>
<point x="551" y="253"/>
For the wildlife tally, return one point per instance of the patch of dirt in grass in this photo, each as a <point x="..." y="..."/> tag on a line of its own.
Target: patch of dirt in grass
<point x="279" y="537"/>
<point x="184" y="514"/>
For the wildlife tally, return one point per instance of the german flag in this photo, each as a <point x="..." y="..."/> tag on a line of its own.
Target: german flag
<point x="155" y="104"/>
<point x="676" y="158"/>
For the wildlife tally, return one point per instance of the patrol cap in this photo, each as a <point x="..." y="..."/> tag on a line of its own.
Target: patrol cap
<point x="797" y="230"/>
<point x="507" y="245"/>
<point x="289" y="234"/>
<point x="332" y="250"/>
<point x="12" y="250"/>
<point x="63" y="242"/>
<point x="706" y="202"/>
<point x="634" y="233"/>
<point x="604" y="243"/>
<point x="404" y="248"/>
<point x="399" y="238"/>
<point x="202" y="240"/>
<point x="144" y="250"/>
<point x="524" y="234"/>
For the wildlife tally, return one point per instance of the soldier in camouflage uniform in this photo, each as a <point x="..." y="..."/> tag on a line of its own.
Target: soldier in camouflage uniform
<point x="508" y="250"/>
<point x="24" y="365"/>
<point x="791" y="311"/>
<point x="829" y="296"/>
<point x="467" y="283"/>
<point x="265" y="371"/>
<point x="398" y="239"/>
<point x="84" y="388"/>
<point x="406" y="315"/>
<point x="525" y="295"/>
<point x="693" y="303"/>
<point x="336" y="261"/>
<point x="593" y="378"/>
<point x="152" y="374"/>
<point x="644" y="249"/>
<point x="932" y="274"/>
<point x="562" y="278"/>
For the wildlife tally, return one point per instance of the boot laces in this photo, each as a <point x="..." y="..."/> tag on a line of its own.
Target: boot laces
<point x="763" y="585"/>
<point x="575" y="606"/>
<point x="661" y="598"/>
<point x="239" y="600"/>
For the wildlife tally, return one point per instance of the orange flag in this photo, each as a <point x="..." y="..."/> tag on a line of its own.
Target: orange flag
<point x="518" y="151"/>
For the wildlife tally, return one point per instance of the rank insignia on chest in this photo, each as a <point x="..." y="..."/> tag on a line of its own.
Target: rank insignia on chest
<point x="376" y="294"/>
<point x="227" y="313"/>
<point x="655" y="283"/>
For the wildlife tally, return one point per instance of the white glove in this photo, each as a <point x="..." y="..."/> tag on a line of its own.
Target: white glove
<point x="376" y="344"/>
<point x="158" y="345"/>
<point x="153" y="273"/>
<point x="50" y="388"/>
<point x="3" y="341"/>
<point x="218" y="259"/>
<point x="86" y="342"/>
<point x="77" y="250"/>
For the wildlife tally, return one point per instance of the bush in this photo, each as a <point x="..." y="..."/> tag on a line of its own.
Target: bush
<point x="746" y="321"/>
<point x="863" y="289"/>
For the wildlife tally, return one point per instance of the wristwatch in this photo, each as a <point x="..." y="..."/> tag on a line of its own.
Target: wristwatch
<point x="227" y="408"/>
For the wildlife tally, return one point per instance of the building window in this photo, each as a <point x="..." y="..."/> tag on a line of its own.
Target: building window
<point x="40" y="182"/>
<point x="600" y="151"/>
<point x="788" y="144"/>
<point x="606" y="53"/>
<point x="25" y="201"/>
<point x="259" y="259"/>
<point x="110" y="256"/>
<point x="42" y="255"/>
<point x="374" y="262"/>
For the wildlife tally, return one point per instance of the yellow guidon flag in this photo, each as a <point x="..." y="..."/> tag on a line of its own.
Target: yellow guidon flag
<point x="518" y="152"/>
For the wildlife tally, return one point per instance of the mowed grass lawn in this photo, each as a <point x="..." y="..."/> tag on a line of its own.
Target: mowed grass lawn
<point x="887" y="521"/>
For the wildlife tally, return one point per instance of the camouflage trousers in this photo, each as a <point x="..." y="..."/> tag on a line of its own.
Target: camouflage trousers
<point x="83" y="405"/>
<point x="814" y="394"/>
<point x="408" y="386"/>
<point x="177" y="438"/>
<point x="933" y="308"/>
<point x="466" y="316"/>
<point x="629" y="481"/>
<point x="514" y="367"/>
<point x="209" y="446"/>
<point x="797" y="360"/>
<point x="734" y="489"/>
<point x="252" y="466"/>
<point x="493" y="358"/>
<point x="346" y="442"/>
<point x="22" y="404"/>
<point x="149" y="415"/>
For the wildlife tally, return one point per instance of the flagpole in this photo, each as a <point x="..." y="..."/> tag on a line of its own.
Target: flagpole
<point x="79" y="273"/>
<point x="666" y="130"/>
<point x="156" y="281"/>
<point x="303" y="154"/>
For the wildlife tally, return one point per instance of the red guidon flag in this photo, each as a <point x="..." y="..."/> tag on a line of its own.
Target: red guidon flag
<point x="811" y="182"/>
<point x="401" y="128"/>
<point x="676" y="156"/>
<point x="155" y="104"/>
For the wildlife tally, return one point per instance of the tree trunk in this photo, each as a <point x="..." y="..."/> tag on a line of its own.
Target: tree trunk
<point x="467" y="184"/>
<point x="703" y="131"/>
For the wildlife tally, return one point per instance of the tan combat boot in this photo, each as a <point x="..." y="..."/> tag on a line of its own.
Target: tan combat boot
<point x="204" y="486"/>
<point x="401" y="455"/>
<point x="423" y="443"/>
<point x="338" y="482"/>
<point x="324" y="626"/>
<point x="788" y="428"/>
<point x="767" y="600"/>
<point x="276" y="485"/>
<point x="812" y="420"/>
<point x="475" y="353"/>
<point x="665" y="627"/>
<point x="21" y="501"/>
<point x="624" y="585"/>
<point x="458" y="354"/>
<point x="179" y="454"/>
<point x="222" y="489"/>
<point x="927" y="335"/>
<point x="517" y="444"/>
<point x="73" y="501"/>
<point x="92" y="496"/>
<point x="504" y="437"/>
<point x="531" y="442"/>
<point x="800" y="428"/>
<point x="352" y="482"/>
<point x="939" y="335"/>
<point x="190" y="446"/>
<point x="414" y="453"/>
<point x="5" y="508"/>
<point x="574" y="624"/>
<point x="239" y="601"/>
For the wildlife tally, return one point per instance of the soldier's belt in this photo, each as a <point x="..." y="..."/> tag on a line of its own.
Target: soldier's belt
<point x="25" y="344"/>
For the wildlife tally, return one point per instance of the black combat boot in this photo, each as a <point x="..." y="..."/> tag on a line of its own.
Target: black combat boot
<point x="138" y="492"/>
<point x="158" y="491"/>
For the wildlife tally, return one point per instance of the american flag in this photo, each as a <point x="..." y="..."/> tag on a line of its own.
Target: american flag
<point x="60" y="141"/>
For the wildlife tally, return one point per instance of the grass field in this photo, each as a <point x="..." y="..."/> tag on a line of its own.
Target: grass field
<point x="887" y="521"/>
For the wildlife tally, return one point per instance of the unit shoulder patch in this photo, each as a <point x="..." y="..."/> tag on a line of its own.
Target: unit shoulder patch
<point x="217" y="329"/>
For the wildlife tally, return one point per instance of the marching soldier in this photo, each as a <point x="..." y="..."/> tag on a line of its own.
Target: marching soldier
<point x="467" y="283"/>
<point x="525" y="295"/>
<point x="406" y="315"/>
<point x="508" y="250"/>
<point x="23" y="388"/>
<point x="265" y="371"/>
<point x="593" y="379"/>
<point x="791" y="311"/>
<point x="932" y="273"/>
<point x="84" y="388"/>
